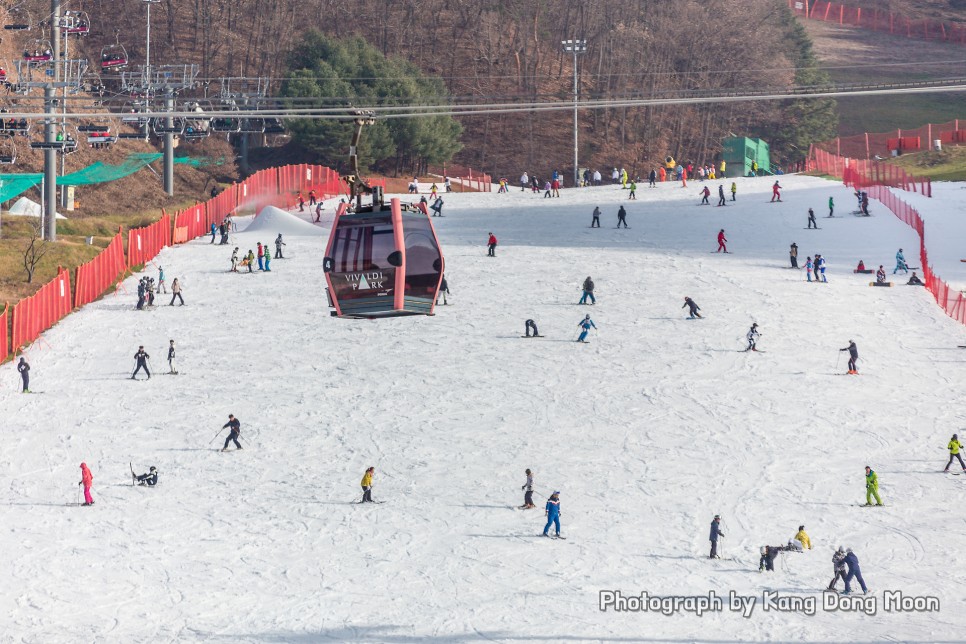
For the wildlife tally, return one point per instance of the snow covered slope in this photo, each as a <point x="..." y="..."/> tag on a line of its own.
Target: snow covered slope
<point x="648" y="431"/>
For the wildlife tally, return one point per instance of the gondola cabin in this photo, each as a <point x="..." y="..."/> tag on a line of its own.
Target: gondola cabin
<point x="383" y="262"/>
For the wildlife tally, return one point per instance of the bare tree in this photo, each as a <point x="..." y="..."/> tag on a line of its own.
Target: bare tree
<point x="35" y="249"/>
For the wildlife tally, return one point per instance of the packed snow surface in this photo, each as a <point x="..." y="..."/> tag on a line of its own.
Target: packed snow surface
<point x="272" y="221"/>
<point x="648" y="431"/>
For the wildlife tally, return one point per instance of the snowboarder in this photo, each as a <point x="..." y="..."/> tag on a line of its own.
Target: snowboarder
<point x="831" y="206"/>
<point x="853" y="358"/>
<point x="367" y="485"/>
<point x="278" y="246"/>
<point x="808" y="267"/>
<point x="249" y="260"/>
<point x="595" y="222"/>
<point x="311" y="197"/>
<point x="162" y="288"/>
<point x="864" y="199"/>
<point x="234" y="260"/>
<point x="588" y="291"/>
<point x="915" y="281"/>
<point x="621" y="217"/>
<point x="24" y="370"/>
<point x="528" y="489"/>
<point x="633" y="192"/>
<point x="721" y="196"/>
<point x="820" y="268"/>
<point x="900" y="263"/>
<point x="585" y="324"/>
<point x="839" y="568"/>
<point x="752" y="337"/>
<point x="443" y="290"/>
<point x="854" y="572"/>
<point x="223" y="230"/>
<point x="811" y="219"/>
<point x="803" y="538"/>
<point x="150" y="479"/>
<point x="705" y="193"/>
<point x="954" y="447"/>
<point x="734" y="190"/>
<point x="261" y="256"/>
<point x="233" y="432"/>
<point x="775" y="194"/>
<point x="268" y="258"/>
<point x="530" y="324"/>
<point x="880" y="275"/>
<point x="301" y="200"/>
<point x="141" y="362"/>
<point x="491" y="245"/>
<point x="318" y="212"/>
<point x="87" y="480"/>
<point x="553" y="514"/>
<point x="793" y="255"/>
<point x="149" y="289"/>
<point x="172" y="370"/>
<point x="722" y="242"/>
<point x="693" y="308"/>
<point x="715" y="533"/>
<point x="176" y="292"/>
<point x="437" y="207"/>
<point x="871" y="491"/>
<point x="652" y="179"/>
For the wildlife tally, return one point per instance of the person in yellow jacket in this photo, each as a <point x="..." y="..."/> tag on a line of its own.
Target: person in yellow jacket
<point x="954" y="447"/>
<point x="722" y="167"/>
<point x="801" y="536"/>
<point x="871" y="487"/>
<point x="367" y="485"/>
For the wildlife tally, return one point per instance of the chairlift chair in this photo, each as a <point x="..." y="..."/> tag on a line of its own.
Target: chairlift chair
<point x="18" y="18"/>
<point x="17" y="126"/>
<point x="8" y="152"/>
<point x="76" y="23"/>
<point x="274" y="126"/>
<point x="196" y="129"/>
<point x="161" y="127"/>
<point x="113" y="57"/>
<point x="252" y="126"/>
<point x="225" y="125"/>
<point x="41" y="52"/>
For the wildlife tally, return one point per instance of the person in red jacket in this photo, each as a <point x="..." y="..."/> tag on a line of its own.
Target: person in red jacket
<point x="774" y="192"/>
<point x="491" y="245"/>
<point x="722" y="240"/>
<point x="87" y="480"/>
<point x="261" y="255"/>
<point x="704" y="196"/>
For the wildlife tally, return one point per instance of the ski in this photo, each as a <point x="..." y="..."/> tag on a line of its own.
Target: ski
<point x="871" y="505"/>
<point x="559" y="537"/>
<point x="816" y="228"/>
<point x="134" y="477"/>
<point x="532" y="336"/>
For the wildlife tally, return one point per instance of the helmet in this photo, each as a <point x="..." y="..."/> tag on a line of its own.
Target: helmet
<point x="587" y="317"/>
<point x="764" y="550"/>
<point x="840" y="550"/>
<point x="801" y="527"/>
<point x="848" y="550"/>
<point x="154" y="469"/>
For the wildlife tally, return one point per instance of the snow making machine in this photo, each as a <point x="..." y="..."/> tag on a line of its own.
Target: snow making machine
<point x="382" y="260"/>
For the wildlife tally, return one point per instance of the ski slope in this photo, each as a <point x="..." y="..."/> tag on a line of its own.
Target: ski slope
<point x="648" y="431"/>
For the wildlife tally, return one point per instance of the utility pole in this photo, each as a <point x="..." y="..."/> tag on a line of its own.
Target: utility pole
<point x="50" y="131"/>
<point x="168" y="141"/>
<point x="575" y="47"/>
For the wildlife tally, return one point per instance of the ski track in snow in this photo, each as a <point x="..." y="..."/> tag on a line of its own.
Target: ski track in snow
<point x="651" y="429"/>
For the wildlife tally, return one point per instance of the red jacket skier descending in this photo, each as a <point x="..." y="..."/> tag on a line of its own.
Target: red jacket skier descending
<point x="721" y="242"/>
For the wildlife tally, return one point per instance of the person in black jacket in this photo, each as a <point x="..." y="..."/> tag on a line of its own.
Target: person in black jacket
<point x="694" y="308"/>
<point x="853" y="357"/>
<point x="142" y="289"/>
<point x="588" y="292"/>
<point x="171" y="355"/>
<point x="768" y="556"/>
<point x="721" y="197"/>
<point x="715" y="533"/>
<point x="141" y="360"/>
<point x="530" y="324"/>
<point x="595" y="222"/>
<point x="233" y="434"/>
<point x="24" y="370"/>
<point x="621" y="217"/>
<point x="151" y="478"/>
<point x="443" y="290"/>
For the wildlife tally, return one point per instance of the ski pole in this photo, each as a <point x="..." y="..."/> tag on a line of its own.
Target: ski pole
<point x="78" y="494"/>
<point x="838" y="359"/>
<point x="216" y="436"/>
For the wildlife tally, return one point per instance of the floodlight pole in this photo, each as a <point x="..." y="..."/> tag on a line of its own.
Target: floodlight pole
<point x="575" y="47"/>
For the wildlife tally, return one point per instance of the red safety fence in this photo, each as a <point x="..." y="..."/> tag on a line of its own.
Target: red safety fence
<point x="869" y="145"/>
<point x="35" y="314"/>
<point x="879" y="20"/>
<point x="5" y="325"/>
<point x="94" y="277"/>
<point x="862" y="173"/>
<point x="144" y="244"/>
<point x="951" y="300"/>
<point x="467" y="177"/>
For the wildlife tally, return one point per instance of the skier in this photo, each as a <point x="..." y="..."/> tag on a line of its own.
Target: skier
<point x="223" y="229"/>
<point x="752" y="337"/>
<point x="278" y="246"/>
<point x="234" y="260"/>
<point x="553" y="514"/>
<point x="437" y="207"/>
<point x="721" y="197"/>
<point x="715" y="533"/>
<point x="150" y="479"/>
<point x="768" y="556"/>
<point x="149" y="289"/>
<point x="249" y="260"/>
<point x="808" y="268"/>
<point x="793" y="255"/>
<point x="588" y="291"/>
<point x="443" y="290"/>
<point x="367" y="485"/>
<point x="141" y="362"/>
<point x="530" y="324"/>
<point x="268" y="258"/>
<point x="595" y="222"/>
<point x="694" y="308"/>
<point x="839" y="568"/>
<point x="585" y="324"/>
<point x="261" y="256"/>
<point x="820" y="267"/>
<point x="954" y="447"/>
<point x="214" y="229"/>
<point x="900" y="263"/>
<point x="864" y="197"/>
<point x="621" y="217"/>
<point x="172" y="370"/>
<point x="775" y="194"/>
<point x="633" y="193"/>
<point x="142" y="289"/>
<point x="871" y="491"/>
<point x="311" y="197"/>
<point x="734" y="190"/>
<point x="880" y="275"/>
<point x="705" y="193"/>
<point x="528" y="488"/>
<point x="524" y="182"/>
<point x="234" y="430"/>
<point x="87" y="480"/>
<point x="722" y="241"/>
<point x="803" y="538"/>
<point x="491" y="245"/>
<point x="162" y="288"/>
<point x="831" y="206"/>
<point x="176" y="292"/>
<point x="853" y="357"/>
<point x="811" y="219"/>
<point x="854" y="572"/>
<point x="318" y="212"/>
<point x="652" y="179"/>
<point x="24" y="370"/>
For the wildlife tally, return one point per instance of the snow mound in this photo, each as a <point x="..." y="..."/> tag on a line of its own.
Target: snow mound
<point x="274" y="220"/>
<point x="24" y="207"/>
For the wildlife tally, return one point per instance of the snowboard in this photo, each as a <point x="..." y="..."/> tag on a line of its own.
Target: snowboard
<point x="816" y="228"/>
<point x="866" y="505"/>
<point x="531" y="336"/>
<point x="880" y="283"/>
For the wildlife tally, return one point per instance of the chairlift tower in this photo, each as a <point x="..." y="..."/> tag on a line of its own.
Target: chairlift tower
<point x="243" y="93"/>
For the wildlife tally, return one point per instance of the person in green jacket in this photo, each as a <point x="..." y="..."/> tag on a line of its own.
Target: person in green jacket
<point x="268" y="257"/>
<point x="954" y="447"/>
<point x="871" y="487"/>
<point x="633" y="193"/>
<point x="831" y="206"/>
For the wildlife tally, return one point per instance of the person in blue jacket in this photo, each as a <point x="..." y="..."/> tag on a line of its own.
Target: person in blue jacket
<point x="854" y="572"/>
<point x="553" y="514"/>
<point x="214" y="229"/>
<point x="900" y="263"/>
<point x="586" y="325"/>
<point x="715" y="533"/>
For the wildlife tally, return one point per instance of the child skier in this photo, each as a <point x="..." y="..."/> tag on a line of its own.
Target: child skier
<point x="853" y="358"/>
<point x="715" y="533"/>
<point x="586" y="325"/>
<point x="162" y="287"/>
<point x="234" y="431"/>
<point x="693" y="308"/>
<point x="171" y="355"/>
<point x="954" y="447"/>
<point x="820" y="268"/>
<point x="839" y="568"/>
<point x="367" y="485"/>
<point x="234" y="260"/>
<point x="87" y="480"/>
<point x="705" y="193"/>
<point x="752" y="337"/>
<point x="722" y="242"/>
<point x="528" y="496"/>
<point x="491" y="245"/>
<point x="808" y="268"/>
<point x="871" y="491"/>
<point x="775" y="194"/>
<point x="553" y="514"/>
<point x="141" y="362"/>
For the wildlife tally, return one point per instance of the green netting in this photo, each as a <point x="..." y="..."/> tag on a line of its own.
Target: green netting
<point x="13" y="185"/>
<point x="102" y="172"/>
<point x="198" y="162"/>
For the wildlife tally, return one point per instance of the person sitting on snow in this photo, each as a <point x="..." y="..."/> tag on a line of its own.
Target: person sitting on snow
<point x="880" y="275"/>
<point x="915" y="281"/>
<point x="860" y="267"/>
<point x="151" y="478"/>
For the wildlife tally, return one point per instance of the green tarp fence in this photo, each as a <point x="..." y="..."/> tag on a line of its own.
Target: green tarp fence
<point x="12" y="185"/>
